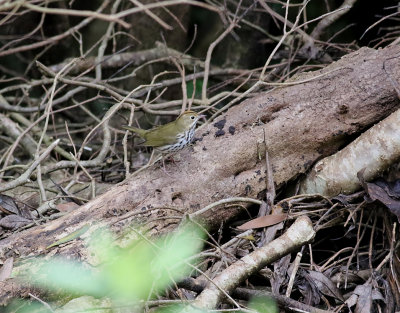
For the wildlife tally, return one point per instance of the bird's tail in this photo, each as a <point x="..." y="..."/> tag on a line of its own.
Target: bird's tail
<point x="140" y="132"/>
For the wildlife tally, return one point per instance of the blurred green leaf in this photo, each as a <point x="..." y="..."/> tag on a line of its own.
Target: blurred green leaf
<point x="68" y="276"/>
<point x="90" y="305"/>
<point x="189" y="88"/>
<point x="152" y="265"/>
<point x="101" y="244"/>
<point x="178" y="308"/>
<point x="24" y="306"/>
<point x="126" y="274"/>
<point x="263" y="305"/>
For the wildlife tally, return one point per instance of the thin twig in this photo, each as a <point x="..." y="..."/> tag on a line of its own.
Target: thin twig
<point x="24" y="178"/>
<point x="224" y="201"/>
<point x="84" y="13"/>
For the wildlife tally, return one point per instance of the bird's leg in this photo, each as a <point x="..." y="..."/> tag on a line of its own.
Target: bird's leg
<point x="152" y="158"/>
<point x="163" y="165"/>
<point x="171" y="159"/>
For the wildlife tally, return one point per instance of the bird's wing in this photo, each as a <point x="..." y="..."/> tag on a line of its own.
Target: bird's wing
<point x="163" y="136"/>
<point x="139" y="131"/>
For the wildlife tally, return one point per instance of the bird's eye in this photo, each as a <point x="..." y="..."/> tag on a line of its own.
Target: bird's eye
<point x="192" y="117"/>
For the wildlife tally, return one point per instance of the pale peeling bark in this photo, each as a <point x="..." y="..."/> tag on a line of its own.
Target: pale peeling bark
<point x="302" y="123"/>
<point x="375" y="150"/>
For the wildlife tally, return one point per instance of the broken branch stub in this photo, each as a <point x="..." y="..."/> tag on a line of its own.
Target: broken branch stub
<point x="299" y="233"/>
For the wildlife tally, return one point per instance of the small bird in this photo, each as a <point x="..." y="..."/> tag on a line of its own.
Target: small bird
<point x="170" y="137"/>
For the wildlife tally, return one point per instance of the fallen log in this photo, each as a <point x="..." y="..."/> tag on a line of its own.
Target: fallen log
<point x="313" y="116"/>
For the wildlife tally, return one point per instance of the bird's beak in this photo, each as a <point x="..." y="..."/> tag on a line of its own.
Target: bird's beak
<point x="203" y="117"/>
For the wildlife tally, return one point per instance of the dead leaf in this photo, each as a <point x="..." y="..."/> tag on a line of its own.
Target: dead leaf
<point x="14" y="221"/>
<point x="386" y="193"/>
<point x="6" y="270"/>
<point x="363" y="297"/>
<point x="263" y="221"/>
<point x="390" y="298"/>
<point x="391" y="188"/>
<point x="279" y="276"/>
<point x="325" y="285"/>
<point x="352" y="300"/>
<point x="376" y="192"/>
<point x="364" y="302"/>
<point x="376" y="295"/>
<point x="308" y="288"/>
<point x="8" y="205"/>
<point x="67" y="207"/>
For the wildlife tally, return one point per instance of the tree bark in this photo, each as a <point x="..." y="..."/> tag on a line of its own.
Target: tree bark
<point x="302" y="122"/>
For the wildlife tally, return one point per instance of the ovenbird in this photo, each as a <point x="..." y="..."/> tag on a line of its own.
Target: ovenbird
<point x="170" y="137"/>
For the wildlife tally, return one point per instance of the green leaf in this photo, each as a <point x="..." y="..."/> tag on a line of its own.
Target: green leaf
<point x="263" y="305"/>
<point x="76" y="234"/>
<point x="180" y="307"/>
<point x="68" y="276"/>
<point x="24" y="306"/>
<point x="147" y="266"/>
<point x="189" y="88"/>
<point x="125" y="274"/>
